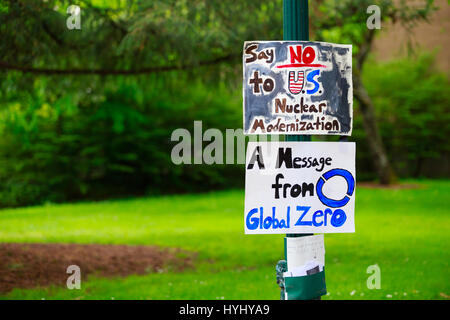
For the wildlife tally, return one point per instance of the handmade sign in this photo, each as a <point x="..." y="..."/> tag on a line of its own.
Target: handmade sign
<point x="297" y="87"/>
<point x="293" y="187"/>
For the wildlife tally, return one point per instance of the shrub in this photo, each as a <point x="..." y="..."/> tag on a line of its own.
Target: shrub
<point x="411" y="98"/>
<point x="114" y="142"/>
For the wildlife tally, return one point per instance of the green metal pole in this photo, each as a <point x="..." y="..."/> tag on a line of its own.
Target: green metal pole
<point x="295" y="20"/>
<point x="296" y="27"/>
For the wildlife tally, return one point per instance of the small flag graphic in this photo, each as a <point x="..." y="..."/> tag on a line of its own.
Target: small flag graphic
<point x="296" y="86"/>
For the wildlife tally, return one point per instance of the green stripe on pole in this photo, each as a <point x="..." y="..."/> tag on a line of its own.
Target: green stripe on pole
<point x="295" y="20"/>
<point x="296" y="27"/>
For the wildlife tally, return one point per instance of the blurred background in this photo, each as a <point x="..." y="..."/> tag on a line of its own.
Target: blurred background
<point x="87" y="112"/>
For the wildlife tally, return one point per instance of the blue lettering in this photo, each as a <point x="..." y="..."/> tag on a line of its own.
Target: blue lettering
<point x="276" y="223"/>
<point x="305" y="211"/>
<point x="310" y="78"/>
<point x="252" y="223"/>
<point x="338" y="218"/>
<point x="317" y="214"/>
<point x="288" y="219"/>
<point x="328" y="211"/>
<point x="350" y="188"/>
<point x="261" y="217"/>
<point x="267" y="222"/>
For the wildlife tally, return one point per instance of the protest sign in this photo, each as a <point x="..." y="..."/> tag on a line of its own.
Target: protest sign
<point x="297" y="87"/>
<point x="293" y="187"/>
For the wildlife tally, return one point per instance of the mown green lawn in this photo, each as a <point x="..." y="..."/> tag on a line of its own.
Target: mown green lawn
<point x="406" y="232"/>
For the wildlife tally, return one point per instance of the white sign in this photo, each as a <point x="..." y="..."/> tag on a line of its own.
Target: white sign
<point x="300" y="187"/>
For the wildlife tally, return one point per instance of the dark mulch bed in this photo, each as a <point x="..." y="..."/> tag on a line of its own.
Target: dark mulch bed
<point x="32" y="265"/>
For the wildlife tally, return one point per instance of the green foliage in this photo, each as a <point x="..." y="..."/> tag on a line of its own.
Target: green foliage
<point x="344" y="21"/>
<point x="113" y="138"/>
<point x="114" y="141"/>
<point x="67" y="136"/>
<point x="139" y="35"/>
<point x="411" y="98"/>
<point x="132" y="35"/>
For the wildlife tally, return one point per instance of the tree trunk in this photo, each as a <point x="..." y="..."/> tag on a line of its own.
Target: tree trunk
<point x="385" y="172"/>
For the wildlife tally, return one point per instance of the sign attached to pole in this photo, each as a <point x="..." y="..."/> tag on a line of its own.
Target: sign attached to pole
<point x="306" y="187"/>
<point x="297" y="87"/>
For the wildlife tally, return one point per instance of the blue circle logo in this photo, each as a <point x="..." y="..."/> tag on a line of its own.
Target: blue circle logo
<point x="330" y="174"/>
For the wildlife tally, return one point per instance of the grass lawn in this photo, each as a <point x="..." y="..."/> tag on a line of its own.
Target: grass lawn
<point x="405" y="231"/>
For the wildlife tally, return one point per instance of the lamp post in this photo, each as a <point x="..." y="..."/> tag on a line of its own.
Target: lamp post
<point x="295" y="27"/>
